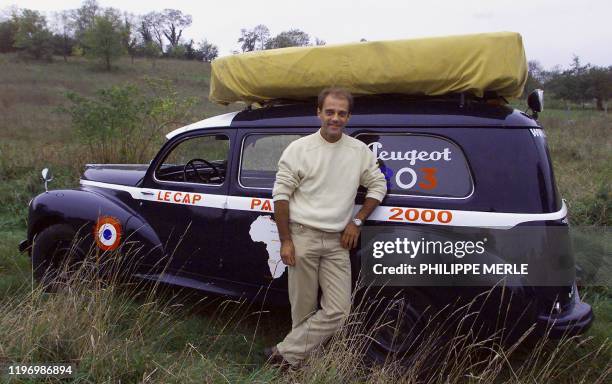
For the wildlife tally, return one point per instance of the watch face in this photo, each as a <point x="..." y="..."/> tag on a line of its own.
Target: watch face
<point x="357" y="222"/>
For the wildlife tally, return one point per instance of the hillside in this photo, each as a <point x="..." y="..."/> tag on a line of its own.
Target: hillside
<point x="32" y="91"/>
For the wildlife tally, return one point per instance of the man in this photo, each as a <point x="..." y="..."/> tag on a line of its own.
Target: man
<point x="314" y="193"/>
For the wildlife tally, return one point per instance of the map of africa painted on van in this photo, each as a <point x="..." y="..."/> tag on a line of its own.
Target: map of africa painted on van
<point x="264" y="229"/>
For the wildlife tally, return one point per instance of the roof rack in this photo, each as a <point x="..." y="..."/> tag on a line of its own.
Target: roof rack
<point x="462" y="99"/>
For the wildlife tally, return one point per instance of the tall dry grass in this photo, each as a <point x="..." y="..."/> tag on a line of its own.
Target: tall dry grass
<point x="117" y="330"/>
<point x="447" y="350"/>
<point x="113" y="329"/>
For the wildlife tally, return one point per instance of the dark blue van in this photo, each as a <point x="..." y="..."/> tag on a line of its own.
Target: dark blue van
<point x="201" y="212"/>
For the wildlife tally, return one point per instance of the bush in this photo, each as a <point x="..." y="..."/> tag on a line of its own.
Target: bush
<point x="122" y="124"/>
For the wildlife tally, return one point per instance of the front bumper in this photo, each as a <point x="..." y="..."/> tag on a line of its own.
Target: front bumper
<point x="575" y="319"/>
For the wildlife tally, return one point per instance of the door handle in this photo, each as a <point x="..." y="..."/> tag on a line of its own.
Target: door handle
<point x="148" y="193"/>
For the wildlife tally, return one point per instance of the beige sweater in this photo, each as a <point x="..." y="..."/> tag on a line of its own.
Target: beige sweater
<point x="320" y="180"/>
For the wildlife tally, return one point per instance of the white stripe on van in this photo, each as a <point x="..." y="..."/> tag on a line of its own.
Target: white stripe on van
<point x="390" y="214"/>
<point x="219" y="121"/>
<point x="165" y="196"/>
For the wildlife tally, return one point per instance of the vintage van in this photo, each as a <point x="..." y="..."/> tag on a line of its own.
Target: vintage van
<point x="201" y="211"/>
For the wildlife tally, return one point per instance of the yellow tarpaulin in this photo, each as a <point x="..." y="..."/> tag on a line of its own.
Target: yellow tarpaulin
<point x="428" y="66"/>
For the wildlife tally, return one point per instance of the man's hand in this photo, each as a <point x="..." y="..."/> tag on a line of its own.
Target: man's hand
<point x="281" y="216"/>
<point x="350" y="236"/>
<point x="287" y="252"/>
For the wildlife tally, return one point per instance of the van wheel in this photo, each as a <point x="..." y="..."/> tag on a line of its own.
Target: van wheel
<point x="405" y="330"/>
<point x="53" y="254"/>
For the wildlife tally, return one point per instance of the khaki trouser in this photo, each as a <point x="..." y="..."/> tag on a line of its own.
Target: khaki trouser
<point x="321" y="261"/>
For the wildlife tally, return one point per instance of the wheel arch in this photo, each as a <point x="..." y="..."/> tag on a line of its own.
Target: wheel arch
<point x="81" y="209"/>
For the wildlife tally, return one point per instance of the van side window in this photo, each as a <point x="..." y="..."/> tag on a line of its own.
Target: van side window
<point x="421" y="165"/>
<point x="260" y="155"/>
<point x="201" y="160"/>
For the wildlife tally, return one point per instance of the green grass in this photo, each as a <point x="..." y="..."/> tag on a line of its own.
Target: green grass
<point x="179" y="336"/>
<point x="581" y="148"/>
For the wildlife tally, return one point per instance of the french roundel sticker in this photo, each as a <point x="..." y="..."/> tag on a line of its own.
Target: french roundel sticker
<point x="107" y="233"/>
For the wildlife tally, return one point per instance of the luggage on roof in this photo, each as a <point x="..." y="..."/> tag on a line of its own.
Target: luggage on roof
<point x="434" y="66"/>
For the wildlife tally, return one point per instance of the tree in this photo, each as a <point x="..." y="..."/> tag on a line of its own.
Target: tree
<point x="173" y="23"/>
<point x="150" y="29"/>
<point x="207" y="52"/>
<point x="144" y="29"/>
<point x="63" y="45"/>
<point x="148" y="45"/>
<point x="534" y="77"/>
<point x="152" y="25"/>
<point x="83" y="18"/>
<point x="151" y="50"/>
<point x="63" y="40"/>
<point x="129" y="35"/>
<point x="247" y="40"/>
<point x="580" y="83"/>
<point x="104" y="40"/>
<point x="571" y="84"/>
<point x="319" y="41"/>
<point x="254" y="39"/>
<point x="32" y="36"/>
<point x="261" y="34"/>
<point x="599" y="80"/>
<point x="290" y="38"/>
<point x="190" y="51"/>
<point x="177" y="52"/>
<point x="577" y="78"/>
<point x="8" y="30"/>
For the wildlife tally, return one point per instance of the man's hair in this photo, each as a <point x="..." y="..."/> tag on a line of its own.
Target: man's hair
<point x="336" y="92"/>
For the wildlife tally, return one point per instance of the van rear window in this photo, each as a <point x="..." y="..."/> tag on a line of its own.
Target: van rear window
<point x="421" y="165"/>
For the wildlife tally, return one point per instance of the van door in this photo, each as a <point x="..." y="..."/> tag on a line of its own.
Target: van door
<point x="253" y="257"/>
<point x="190" y="187"/>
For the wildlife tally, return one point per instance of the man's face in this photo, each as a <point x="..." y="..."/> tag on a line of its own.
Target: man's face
<point x="334" y="115"/>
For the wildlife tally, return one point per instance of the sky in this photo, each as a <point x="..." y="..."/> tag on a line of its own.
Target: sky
<point x="553" y="30"/>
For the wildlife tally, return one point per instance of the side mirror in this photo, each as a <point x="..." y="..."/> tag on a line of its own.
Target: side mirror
<point x="46" y="174"/>
<point x="47" y="177"/>
<point x="535" y="101"/>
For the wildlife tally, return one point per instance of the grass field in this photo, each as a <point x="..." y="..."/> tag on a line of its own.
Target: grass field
<point x="118" y="334"/>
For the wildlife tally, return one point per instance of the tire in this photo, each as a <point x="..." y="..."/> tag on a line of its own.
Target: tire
<point x="53" y="253"/>
<point x="405" y="330"/>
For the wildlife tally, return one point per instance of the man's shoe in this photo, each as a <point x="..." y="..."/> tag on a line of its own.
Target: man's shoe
<point x="274" y="357"/>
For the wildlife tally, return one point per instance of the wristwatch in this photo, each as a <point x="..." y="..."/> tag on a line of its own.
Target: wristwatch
<point x="357" y="222"/>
